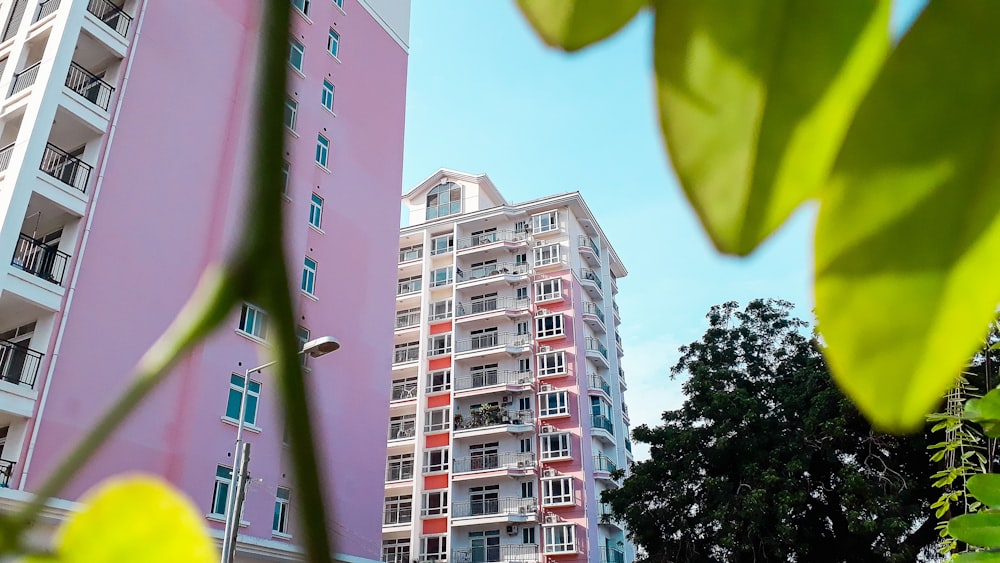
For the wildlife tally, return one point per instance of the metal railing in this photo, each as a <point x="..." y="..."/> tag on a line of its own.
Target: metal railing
<point x="489" y="238"/>
<point x="402" y="429"/>
<point x="489" y="270"/>
<point x="612" y="555"/>
<point x="621" y="373"/>
<point x="65" y="167"/>
<point x="598" y="382"/>
<point x="594" y="345"/>
<point x="490" y="506"/>
<point x="18" y="363"/>
<point x="411" y="253"/>
<point x="588" y="274"/>
<point x="24" y="78"/>
<point x="111" y="15"/>
<point x="5" y="156"/>
<point x="602" y="422"/>
<point x="484" y="417"/>
<point x="497" y="553"/>
<point x="6" y="470"/>
<point x="587" y="242"/>
<point x="406" y="319"/>
<point x="403" y="391"/>
<point x="408" y="353"/>
<point x="46" y="7"/>
<point x="400" y="471"/>
<point x="492" y="340"/>
<point x="604" y="463"/>
<point x="614" y="305"/>
<point x="489" y="462"/>
<point x="589" y="307"/>
<point x="491" y="377"/>
<point x="405" y="287"/>
<point x="89" y="86"/>
<point x="39" y="259"/>
<point x="490" y="304"/>
<point x="393" y="514"/>
<point x="14" y="20"/>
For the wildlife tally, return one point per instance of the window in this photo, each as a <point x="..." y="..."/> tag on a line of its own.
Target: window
<point x="435" y="503"/>
<point x="524" y="404"/>
<point x="291" y="112"/>
<point x="545" y="222"/>
<point x="437" y="420"/>
<point x="399" y="467"/>
<point x="484" y="376"/>
<point x="521" y="259"/>
<point x="436" y="460"/>
<point x="434" y="548"/>
<point x="408" y="318"/>
<point x="442" y="276"/>
<point x="545" y="255"/>
<point x="410" y="253"/>
<point x="398" y="510"/>
<point x="485" y="236"/>
<point x="339" y="3"/>
<point x="523" y="364"/>
<point x="236" y="397"/>
<point x="309" y="276"/>
<point x="445" y="199"/>
<point x="523" y="328"/>
<point x="525" y="445"/>
<point x="396" y="550"/>
<point x="409" y="285"/>
<point x="253" y="321"/>
<point x="528" y="489"/>
<point x="553" y="403"/>
<point x="556" y="491"/>
<point x="438" y="381"/>
<point x="402" y="427"/>
<point x="440" y="310"/>
<point x="296" y="55"/>
<point x="484" y="456"/>
<point x="560" y="538"/>
<point x="521" y="293"/>
<point x="548" y="326"/>
<point x="555" y="445"/>
<point x="547" y="290"/>
<point x="551" y="363"/>
<point x="302" y="6"/>
<point x="285" y="174"/>
<point x="484" y="338"/>
<point x="439" y="345"/>
<point x="528" y="535"/>
<point x="280" y="523"/>
<point x="333" y="42"/>
<point x="316" y="211"/>
<point x="302" y="333"/>
<point x="327" y="97"/>
<point x="223" y="476"/>
<point x="442" y="244"/>
<point x="322" y="151"/>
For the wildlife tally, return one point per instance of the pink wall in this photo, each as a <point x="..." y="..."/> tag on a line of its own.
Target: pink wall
<point x="169" y="203"/>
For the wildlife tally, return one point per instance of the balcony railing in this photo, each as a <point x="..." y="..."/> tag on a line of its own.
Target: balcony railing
<point x="491" y="377"/>
<point x="393" y="514"/>
<point x="628" y="444"/>
<point x="492" y="416"/>
<point x="497" y="553"/>
<point x="46" y="7"/>
<point x="65" y="167"/>
<point x="410" y="353"/>
<point x="614" y="305"/>
<point x="604" y="463"/>
<point x="587" y="242"/>
<point x="407" y="319"/>
<point x="111" y="15"/>
<point x="39" y="259"/>
<point x="492" y="506"/>
<point x="403" y="429"/>
<point x="408" y="286"/>
<point x="594" y="345"/>
<point x="598" y="382"/>
<point x="18" y="363"/>
<point x="24" y="78"/>
<point x="411" y="253"/>
<point x="399" y="471"/>
<point x="612" y="555"/>
<point x="5" y="154"/>
<point x="17" y="10"/>
<point x="588" y="274"/>
<point x="489" y="238"/>
<point x="89" y="85"/>
<point x="404" y="391"/>
<point x="490" y="304"/>
<point x="490" y="270"/>
<point x="490" y="462"/>
<point x="6" y="470"/>
<point x="591" y="308"/>
<point x="492" y="340"/>
<point x="602" y="422"/>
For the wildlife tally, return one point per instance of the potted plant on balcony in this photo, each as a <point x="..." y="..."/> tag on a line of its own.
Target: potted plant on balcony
<point x="457" y="422"/>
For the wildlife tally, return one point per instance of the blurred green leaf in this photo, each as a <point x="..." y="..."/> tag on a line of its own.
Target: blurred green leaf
<point x="980" y="528"/>
<point x="908" y="230"/>
<point x="574" y="24"/>
<point x="985" y="412"/>
<point x="977" y="557"/>
<point x="986" y="488"/>
<point x="755" y="97"/>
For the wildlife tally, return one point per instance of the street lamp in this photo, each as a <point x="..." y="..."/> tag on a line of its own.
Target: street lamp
<point x="314" y="348"/>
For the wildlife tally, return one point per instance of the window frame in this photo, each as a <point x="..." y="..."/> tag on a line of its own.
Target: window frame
<point x="256" y="318"/>
<point x="279" y="524"/>
<point x="316" y="211"/>
<point x="309" y="275"/>
<point x="439" y="465"/>
<point x="333" y="43"/>
<point x="563" y="449"/>
<point x="445" y="375"/>
<point x="451" y="207"/>
<point x="322" y="157"/>
<point x="396" y="549"/>
<point x="304" y="8"/>
<point x="568" y="536"/>
<point x="547" y="255"/>
<point x="253" y="399"/>
<point x="295" y="47"/>
<point x="291" y="113"/>
<point x="545" y="408"/>
<point x="557" y="328"/>
<point x="220" y="491"/>
<point x="542" y="361"/>
<point x="398" y="463"/>
<point x="566" y="496"/>
<point x="437" y="420"/>
<point x="445" y="275"/>
<point x="328" y="95"/>
<point x="441" y="551"/>
<point x="443" y="348"/>
<point x="441" y="498"/>
<point x="545" y="222"/>
<point x="449" y="247"/>
<point x="433" y="308"/>
<point x="555" y="287"/>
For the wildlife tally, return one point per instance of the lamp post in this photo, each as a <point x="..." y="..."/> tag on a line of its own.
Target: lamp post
<point x="315" y="348"/>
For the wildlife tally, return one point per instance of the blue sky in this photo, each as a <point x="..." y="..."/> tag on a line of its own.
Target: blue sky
<point x="484" y="95"/>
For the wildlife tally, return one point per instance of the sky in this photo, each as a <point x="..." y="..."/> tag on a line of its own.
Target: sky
<point x="484" y="95"/>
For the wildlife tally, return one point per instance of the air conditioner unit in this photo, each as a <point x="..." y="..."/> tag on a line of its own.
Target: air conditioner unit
<point x="551" y="518"/>
<point x="548" y="428"/>
<point x="542" y="312"/>
<point x="539" y="242"/>
<point x="523" y="510"/>
<point x="549" y="472"/>
<point x="544" y="388"/>
<point x="512" y="530"/>
<point x="544" y="348"/>
<point x="507" y="399"/>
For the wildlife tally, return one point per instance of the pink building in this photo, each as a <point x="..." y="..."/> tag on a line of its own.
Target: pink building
<point x="124" y="146"/>
<point x="507" y="416"/>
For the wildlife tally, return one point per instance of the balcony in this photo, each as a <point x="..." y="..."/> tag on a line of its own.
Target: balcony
<point x="403" y="391"/>
<point x="510" y="509"/>
<point x="110" y="15"/>
<point x="611" y="555"/>
<point x="604" y="464"/>
<point x="407" y="319"/>
<point x="614" y="285"/>
<point x="602" y="428"/>
<point x="399" y="472"/>
<point x="19" y="364"/>
<point x="491" y="419"/>
<point x="594" y="316"/>
<point x="65" y="167"/>
<point x="506" y="380"/>
<point x="618" y="315"/>
<point x="6" y="470"/>
<point x="45" y="7"/>
<point x="625" y="417"/>
<point x="591" y="282"/>
<point x="502" y="239"/>
<point x="506" y="553"/>
<point x="403" y="430"/>
<point x="492" y="343"/>
<point x="618" y="344"/>
<point x="24" y="79"/>
<point x="89" y="86"/>
<point x="39" y="259"/>
<point x="599" y="384"/>
<point x="5" y="154"/>
<point x="406" y="353"/>
<point x="589" y="250"/>
<point x="511" y="464"/>
<point x="396" y="515"/>
<point x="500" y="272"/>
<point x="597" y="351"/>
<point x="506" y="305"/>
<point x="409" y="286"/>
<point x="410" y="254"/>
<point x="607" y="515"/>
<point x="628" y="445"/>
<point x="621" y="378"/>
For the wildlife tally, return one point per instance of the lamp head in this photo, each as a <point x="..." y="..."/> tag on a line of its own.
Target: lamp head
<point x="321" y="346"/>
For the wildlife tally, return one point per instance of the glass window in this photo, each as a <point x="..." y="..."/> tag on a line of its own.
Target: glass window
<point x="285" y="174"/>
<point x="555" y="445"/>
<point x="339" y="3"/>
<point x="436" y="460"/>
<point x="302" y="6"/>
<point x="438" y="381"/>
<point x="547" y="290"/>
<point x="435" y="503"/>
<point x="551" y="363"/>
<point x="291" y="112"/>
<point x="296" y="55"/>
<point x="333" y="42"/>
<point x="223" y="477"/>
<point x="557" y="491"/>
<point x="412" y="284"/>
<point x="442" y="276"/>
<point x="440" y="310"/>
<point x="437" y="419"/>
<point x="434" y="548"/>
<point x="309" y="276"/>
<point x="545" y="255"/>
<point x="560" y="538"/>
<point x="445" y="199"/>
<point x="327" y="98"/>
<point x="440" y="345"/>
<point x="545" y="222"/>
<point x="396" y="550"/>
<point x="322" y="151"/>
<point x="553" y="403"/>
<point x="253" y="321"/>
<point x="398" y="510"/>
<point x="547" y="326"/>
<point x="279" y="524"/>
<point x="316" y="211"/>
<point x="399" y="467"/>
<point x="236" y="397"/>
<point x="442" y="244"/>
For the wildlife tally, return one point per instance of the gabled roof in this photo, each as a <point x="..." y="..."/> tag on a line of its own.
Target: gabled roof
<point x="445" y="174"/>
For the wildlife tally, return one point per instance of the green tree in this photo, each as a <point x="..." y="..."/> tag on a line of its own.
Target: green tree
<point x="767" y="461"/>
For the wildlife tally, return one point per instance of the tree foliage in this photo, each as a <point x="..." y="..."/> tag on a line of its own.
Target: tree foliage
<point x="767" y="461"/>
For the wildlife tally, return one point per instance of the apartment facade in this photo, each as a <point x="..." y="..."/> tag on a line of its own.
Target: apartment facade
<point x="507" y="416"/>
<point x="125" y="147"/>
